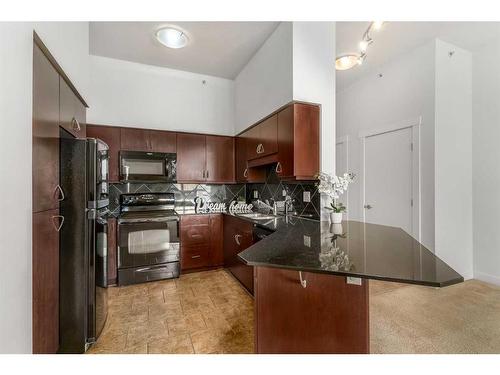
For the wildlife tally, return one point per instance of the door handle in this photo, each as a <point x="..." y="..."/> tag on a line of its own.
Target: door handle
<point x="237" y="238"/>
<point x="279" y="169"/>
<point x="75" y="124"/>
<point x="58" y="227"/>
<point x="368" y="207"/>
<point x="61" y="193"/>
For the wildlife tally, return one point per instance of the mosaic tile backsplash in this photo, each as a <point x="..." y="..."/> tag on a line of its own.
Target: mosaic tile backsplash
<point x="272" y="191"/>
<point x="184" y="193"/>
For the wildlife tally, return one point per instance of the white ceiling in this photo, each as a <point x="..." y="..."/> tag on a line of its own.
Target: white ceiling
<point x="397" y="38"/>
<point x="220" y="49"/>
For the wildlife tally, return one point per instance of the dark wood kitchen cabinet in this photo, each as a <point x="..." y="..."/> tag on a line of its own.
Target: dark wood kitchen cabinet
<point x="205" y="158"/>
<point x="262" y="139"/>
<point x="45" y="274"/>
<point x="241" y="171"/>
<point x="148" y="140"/>
<point x="72" y="112"/>
<point x="327" y="316"/>
<point x="201" y="241"/>
<point x="190" y="157"/>
<point x="298" y="142"/>
<point x="45" y="132"/>
<point x="219" y="159"/>
<point x="238" y="235"/>
<point x="111" y="136"/>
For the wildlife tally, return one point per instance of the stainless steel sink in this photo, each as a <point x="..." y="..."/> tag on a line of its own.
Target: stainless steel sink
<point x="258" y="216"/>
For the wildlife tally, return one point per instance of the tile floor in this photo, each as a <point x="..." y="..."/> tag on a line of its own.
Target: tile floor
<point x="209" y="312"/>
<point x="206" y="312"/>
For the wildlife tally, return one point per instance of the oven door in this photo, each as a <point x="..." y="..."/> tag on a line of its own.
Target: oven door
<point x="144" y="244"/>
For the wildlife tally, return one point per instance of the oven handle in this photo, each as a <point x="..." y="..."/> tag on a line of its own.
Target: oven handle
<point x="151" y="268"/>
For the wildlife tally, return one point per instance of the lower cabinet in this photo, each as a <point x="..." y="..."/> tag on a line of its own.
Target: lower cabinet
<point x="238" y="235"/>
<point x="201" y="241"/>
<point x="46" y="281"/>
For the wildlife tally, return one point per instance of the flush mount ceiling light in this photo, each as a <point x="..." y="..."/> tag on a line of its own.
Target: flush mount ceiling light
<point x="172" y="37"/>
<point x="350" y="60"/>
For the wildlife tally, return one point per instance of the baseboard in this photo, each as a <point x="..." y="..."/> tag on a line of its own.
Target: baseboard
<point x="487" y="278"/>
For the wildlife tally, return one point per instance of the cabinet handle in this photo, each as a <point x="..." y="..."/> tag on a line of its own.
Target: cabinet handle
<point x="303" y="282"/>
<point x="76" y="124"/>
<point x="195" y="256"/>
<point x="261" y="148"/>
<point x="245" y="173"/>
<point x="207" y="174"/>
<point x="279" y="169"/>
<point x="61" y="193"/>
<point x="237" y="238"/>
<point x="58" y="227"/>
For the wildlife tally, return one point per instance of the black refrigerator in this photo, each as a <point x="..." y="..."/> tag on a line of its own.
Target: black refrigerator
<point x="83" y="242"/>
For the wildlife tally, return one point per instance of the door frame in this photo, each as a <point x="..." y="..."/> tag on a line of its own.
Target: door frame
<point x="344" y="140"/>
<point x="414" y="125"/>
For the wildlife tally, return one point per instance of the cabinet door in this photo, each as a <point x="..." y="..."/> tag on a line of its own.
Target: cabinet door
<point x="112" y="252"/>
<point x="285" y="142"/>
<point x="111" y="136"/>
<point x="195" y="241"/>
<point x="134" y="140"/>
<point x="162" y="141"/>
<point x="252" y="140"/>
<point x="241" y="172"/>
<point x="45" y="273"/>
<point x="306" y="141"/>
<point x="191" y="157"/>
<point x="71" y="111"/>
<point x="268" y="136"/>
<point x="216" y="228"/>
<point x="45" y="133"/>
<point x="220" y="159"/>
<point x="237" y="237"/>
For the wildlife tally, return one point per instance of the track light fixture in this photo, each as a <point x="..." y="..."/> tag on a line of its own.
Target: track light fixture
<point x="349" y="61"/>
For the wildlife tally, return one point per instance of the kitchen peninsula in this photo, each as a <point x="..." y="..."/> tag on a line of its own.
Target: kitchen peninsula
<point x="311" y="281"/>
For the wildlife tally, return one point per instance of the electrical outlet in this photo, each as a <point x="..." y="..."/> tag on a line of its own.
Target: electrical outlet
<point x="283" y="192"/>
<point x="354" y="280"/>
<point x="255" y="193"/>
<point x="307" y="241"/>
<point x="306" y="196"/>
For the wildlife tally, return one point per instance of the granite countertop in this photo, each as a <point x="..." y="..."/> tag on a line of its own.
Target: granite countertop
<point x="352" y="248"/>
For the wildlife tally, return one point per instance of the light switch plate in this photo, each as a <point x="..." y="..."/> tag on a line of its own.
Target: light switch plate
<point x="283" y="192"/>
<point x="354" y="280"/>
<point x="306" y="196"/>
<point x="255" y="193"/>
<point x="307" y="241"/>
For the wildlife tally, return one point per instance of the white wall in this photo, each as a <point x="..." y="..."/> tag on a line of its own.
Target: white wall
<point x="486" y="161"/>
<point x="405" y="91"/>
<point x="453" y="157"/>
<point x="130" y="94"/>
<point x="265" y="83"/>
<point x="68" y="42"/>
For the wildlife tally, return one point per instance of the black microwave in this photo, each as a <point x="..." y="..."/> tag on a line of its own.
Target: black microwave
<point x="148" y="166"/>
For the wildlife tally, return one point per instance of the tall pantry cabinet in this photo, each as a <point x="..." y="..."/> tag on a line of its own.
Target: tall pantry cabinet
<point x="54" y="102"/>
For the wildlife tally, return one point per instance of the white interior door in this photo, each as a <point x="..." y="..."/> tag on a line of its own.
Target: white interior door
<point x="340" y="158"/>
<point x="388" y="179"/>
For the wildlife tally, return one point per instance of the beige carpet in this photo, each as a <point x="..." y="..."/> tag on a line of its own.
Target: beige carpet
<point x="463" y="318"/>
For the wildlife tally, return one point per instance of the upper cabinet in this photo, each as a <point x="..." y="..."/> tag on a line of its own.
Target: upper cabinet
<point x="148" y="140"/>
<point x="298" y="142"/>
<point x="111" y="136"/>
<point x="46" y="193"/>
<point x="71" y="111"/>
<point x="262" y="139"/>
<point x="190" y="157"/>
<point x="289" y="139"/>
<point x="205" y="158"/>
<point x="219" y="159"/>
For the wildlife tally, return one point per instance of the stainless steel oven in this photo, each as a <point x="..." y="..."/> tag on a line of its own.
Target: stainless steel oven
<point x="148" y="166"/>
<point x="148" y="238"/>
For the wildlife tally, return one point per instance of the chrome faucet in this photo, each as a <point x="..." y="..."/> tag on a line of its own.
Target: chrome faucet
<point x="288" y="204"/>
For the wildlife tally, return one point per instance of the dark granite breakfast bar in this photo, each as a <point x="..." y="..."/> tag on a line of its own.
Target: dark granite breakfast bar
<point x="311" y="281"/>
